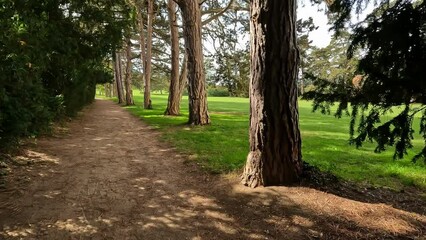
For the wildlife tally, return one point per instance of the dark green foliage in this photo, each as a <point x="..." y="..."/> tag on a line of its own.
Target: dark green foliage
<point x="395" y="61"/>
<point x="218" y="92"/>
<point x="391" y="43"/>
<point x="423" y="133"/>
<point x="233" y="72"/>
<point x="52" y="53"/>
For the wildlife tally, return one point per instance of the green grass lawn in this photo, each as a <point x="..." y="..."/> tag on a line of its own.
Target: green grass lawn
<point x="223" y="146"/>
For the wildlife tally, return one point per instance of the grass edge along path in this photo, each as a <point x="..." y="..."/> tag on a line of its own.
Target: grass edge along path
<point x="223" y="145"/>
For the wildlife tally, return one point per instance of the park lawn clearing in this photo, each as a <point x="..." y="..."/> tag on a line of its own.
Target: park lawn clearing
<point x="223" y="146"/>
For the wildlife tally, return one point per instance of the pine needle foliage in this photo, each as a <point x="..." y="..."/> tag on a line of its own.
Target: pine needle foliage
<point x="391" y="46"/>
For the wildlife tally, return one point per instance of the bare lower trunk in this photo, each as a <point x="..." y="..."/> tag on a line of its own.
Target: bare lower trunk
<point x="197" y="96"/>
<point x="114" y="88"/>
<point x="275" y="145"/>
<point x="173" y="104"/>
<point x="118" y="79"/>
<point x="128" y="76"/>
<point x="183" y="77"/>
<point x="147" y="103"/>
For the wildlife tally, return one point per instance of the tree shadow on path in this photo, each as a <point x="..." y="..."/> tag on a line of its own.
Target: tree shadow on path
<point x="110" y="178"/>
<point x="409" y="199"/>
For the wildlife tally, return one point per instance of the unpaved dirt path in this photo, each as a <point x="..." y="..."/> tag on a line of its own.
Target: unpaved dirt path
<point x="109" y="177"/>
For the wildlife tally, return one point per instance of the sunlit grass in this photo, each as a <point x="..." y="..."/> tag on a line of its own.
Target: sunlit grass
<point x="223" y="145"/>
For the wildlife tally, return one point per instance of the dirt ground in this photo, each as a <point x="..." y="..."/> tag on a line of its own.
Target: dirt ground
<point x="107" y="176"/>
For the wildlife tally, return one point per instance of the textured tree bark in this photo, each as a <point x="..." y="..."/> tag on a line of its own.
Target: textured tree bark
<point x="147" y="103"/>
<point x="275" y="144"/>
<point x="183" y="77"/>
<point x="197" y="95"/>
<point x="128" y="74"/>
<point x="118" y="79"/>
<point x="173" y="104"/>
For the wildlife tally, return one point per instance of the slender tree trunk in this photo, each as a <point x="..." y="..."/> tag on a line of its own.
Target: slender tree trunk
<point x="128" y="75"/>
<point x="123" y="75"/>
<point x="183" y="78"/>
<point x="114" y="88"/>
<point x="275" y="145"/>
<point x="147" y="93"/>
<point x="118" y="78"/>
<point x="302" y="83"/>
<point x="142" y="43"/>
<point x="197" y="96"/>
<point x="173" y="104"/>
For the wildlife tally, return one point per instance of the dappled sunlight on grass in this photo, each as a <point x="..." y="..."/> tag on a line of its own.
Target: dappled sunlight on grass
<point x="223" y="145"/>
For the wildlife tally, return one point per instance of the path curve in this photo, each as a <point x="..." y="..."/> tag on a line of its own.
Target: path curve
<point x="109" y="177"/>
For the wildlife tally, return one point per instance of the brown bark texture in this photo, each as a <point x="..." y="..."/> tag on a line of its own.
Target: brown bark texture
<point x="173" y="104"/>
<point x="147" y="103"/>
<point x="275" y="144"/>
<point x="197" y="95"/>
<point x="118" y="79"/>
<point x="183" y="77"/>
<point x="128" y="74"/>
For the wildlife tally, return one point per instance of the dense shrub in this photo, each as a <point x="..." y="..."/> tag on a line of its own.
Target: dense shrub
<point x="218" y="92"/>
<point x="50" y="62"/>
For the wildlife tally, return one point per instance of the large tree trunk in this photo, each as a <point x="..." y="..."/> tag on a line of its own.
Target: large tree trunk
<point x="197" y="96"/>
<point x="118" y="79"/>
<point x="275" y="145"/>
<point x="147" y="93"/>
<point x="128" y="76"/>
<point x="173" y="104"/>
